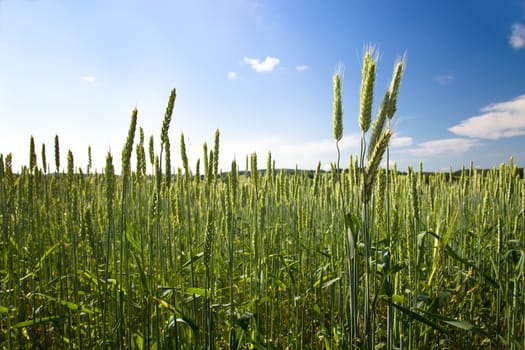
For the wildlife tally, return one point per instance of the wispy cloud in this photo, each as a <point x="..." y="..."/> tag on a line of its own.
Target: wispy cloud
<point x="88" y="78"/>
<point x="301" y="67"/>
<point x="401" y="141"/>
<point x="267" y="65"/>
<point x="233" y="75"/>
<point x="498" y="120"/>
<point x="303" y="154"/>
<point x="517" y="36"/>
<point x="444" y="79"/>
<point x="322" y="147"/>
<point x="448" y="146"/>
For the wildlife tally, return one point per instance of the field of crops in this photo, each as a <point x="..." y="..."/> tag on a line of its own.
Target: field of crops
<point x="364" y="257"/>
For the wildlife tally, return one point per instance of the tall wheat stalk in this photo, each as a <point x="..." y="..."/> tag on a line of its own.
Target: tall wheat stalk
<point x="124" y="270"/>
<point x="377" y="146"/>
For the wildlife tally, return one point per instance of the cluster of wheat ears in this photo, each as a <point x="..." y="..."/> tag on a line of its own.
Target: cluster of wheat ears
<point x="357" y="257"/>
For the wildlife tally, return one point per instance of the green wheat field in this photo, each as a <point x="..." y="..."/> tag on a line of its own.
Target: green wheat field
<point x="359" y="257"/>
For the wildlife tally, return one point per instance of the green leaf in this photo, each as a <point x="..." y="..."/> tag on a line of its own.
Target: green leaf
<point x="398" y="298"/>
<point x="138" y="340"/>
<point x="323" y="283"/>
<point x="184" y="320"/>
<point x="197" y="291"/>
<point x="46" y="254"/>
<point x="70" y="305"/>
<point x="143" y="279"/>
<point x="39" y="320"/>
<point x="317" y="309"/>
<point x="89" y="276"/>
<point x="423" y="234"/>
<point x="422" y="319"/>
<point x="327" y="284"/>
<point x="450" y="228"/>
<point x="193" y="259"/>
<point x="468" y="327"/>
<point x="352" y="223"/>
<point x="395" y="269"/>
<point x="132" y="241"/>
<point x="456" y="256"/>
<point x="178" y="315"/>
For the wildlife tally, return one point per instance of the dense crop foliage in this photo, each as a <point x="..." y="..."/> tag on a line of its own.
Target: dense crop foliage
<point x="258" y="259"/>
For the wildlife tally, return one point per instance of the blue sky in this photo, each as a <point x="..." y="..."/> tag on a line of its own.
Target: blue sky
<point x="261" y="71"/>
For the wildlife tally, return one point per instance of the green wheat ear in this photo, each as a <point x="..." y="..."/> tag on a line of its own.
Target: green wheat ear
<point x="198" y="170"/>
<point x="394" y="86"/>
<point x="205" y="161"/>
<point x="233" y="183"/>
<point x="8" y="169"/>
<point x="167" y="160"/>
<point x="44" y="161"/>
<point x="32" y="155"/>
<point x="151" y="151"/>
<point x="379" y="123"/>
<point x="141" y="155"/>
<point x="70" y="164"/>
<point x="167" y="116"/>
<point x="367" y="90"/>
<point x="128" y="147"/>
<point x="254" y="173"/>
<point x="380" y="199"/>
<point x="208" y="240"/>
<point x="183" y="154"/>
<point x="109" y="182"/>
<point x="338" y="109"/>
<point x="216" y="154"/>
<point x="164" y="138"/>
<point x="90" y="160"/>
<point x="375" y="159"/>
<point x="57" y="154"/>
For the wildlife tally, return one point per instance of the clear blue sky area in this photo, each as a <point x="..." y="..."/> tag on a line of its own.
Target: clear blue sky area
<point x="261" y="72"/>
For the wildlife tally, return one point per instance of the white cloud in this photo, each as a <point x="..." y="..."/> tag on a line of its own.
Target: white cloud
<point x="233" y="75"/>
<point x="401" y="141"/>
<point x="449" y="146"/>
<point x="517" y="37"/>
<point x="265" y="66"/>
<point x="287" y="155"/>
<point x="88" y="78"/>
<point x="301" y="67"/>
<point x="305" y="154"/>
<point x="498" y="120"/>
<point x="322" y="147"/>
<point x="445" y="79"/>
